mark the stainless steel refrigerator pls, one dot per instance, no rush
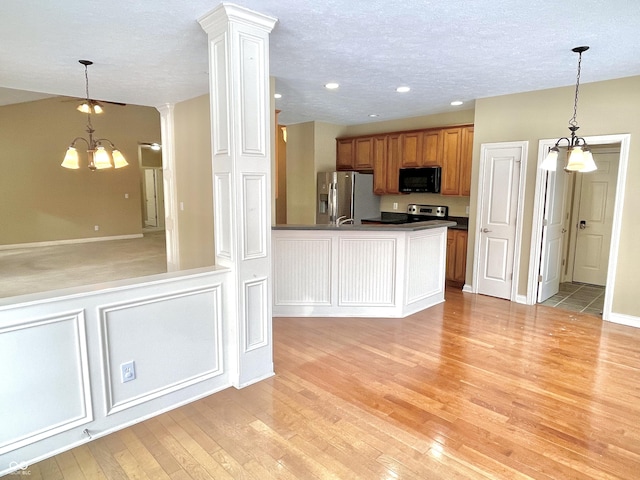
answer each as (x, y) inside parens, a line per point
(345, 194)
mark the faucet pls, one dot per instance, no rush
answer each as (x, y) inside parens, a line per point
(342, 220)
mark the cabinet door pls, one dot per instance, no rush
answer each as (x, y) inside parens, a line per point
(393, 163)
(431, 140)
(466, 157)
(344, 154)
(411, 149)
(451, 145)
(363, 153)
(460, 268)
(451, 255)
(380, 165)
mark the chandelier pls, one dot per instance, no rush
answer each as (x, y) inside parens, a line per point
(579, 156)
(98, 157)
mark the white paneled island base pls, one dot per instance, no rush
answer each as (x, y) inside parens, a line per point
(359, 271)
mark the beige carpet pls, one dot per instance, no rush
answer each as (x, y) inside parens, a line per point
(31, 270)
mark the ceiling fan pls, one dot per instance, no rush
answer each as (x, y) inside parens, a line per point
(90, 105)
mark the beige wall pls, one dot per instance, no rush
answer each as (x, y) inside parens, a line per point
(41, 201)
(605, 108)
(194, 190)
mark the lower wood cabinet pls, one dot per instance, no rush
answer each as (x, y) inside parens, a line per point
(456, 257)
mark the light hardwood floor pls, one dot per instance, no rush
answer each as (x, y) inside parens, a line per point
(474, 388)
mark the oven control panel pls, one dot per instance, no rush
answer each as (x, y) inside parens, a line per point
(427, 210)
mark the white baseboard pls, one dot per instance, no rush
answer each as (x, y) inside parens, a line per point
(521, 299)
(70, 241)
(467, 288)
(623, 319)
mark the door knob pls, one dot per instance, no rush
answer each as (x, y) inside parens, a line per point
(485, 230)
(582, 225)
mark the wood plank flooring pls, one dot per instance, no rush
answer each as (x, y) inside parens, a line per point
(476, 388)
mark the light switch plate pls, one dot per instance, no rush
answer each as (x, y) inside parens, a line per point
(128, 371)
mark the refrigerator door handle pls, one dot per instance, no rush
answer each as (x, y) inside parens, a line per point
(333, 203)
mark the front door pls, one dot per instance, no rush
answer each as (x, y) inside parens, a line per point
(499, 184)
(596, 192)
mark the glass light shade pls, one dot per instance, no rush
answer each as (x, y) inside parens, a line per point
(84, 107)
(589, 164)
(97, 108)
(101, 158)
(71, 159)
(551, 161)
(576, 160)
(118, 159)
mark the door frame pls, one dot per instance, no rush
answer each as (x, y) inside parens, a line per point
(538, 210)
(524, 145)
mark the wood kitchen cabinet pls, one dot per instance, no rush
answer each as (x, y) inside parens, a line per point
(431, 140)
(345, 158)
(456, 267)
(465, 161)
(363, 153)
(380, 165)
(394, 155)
(411, 149)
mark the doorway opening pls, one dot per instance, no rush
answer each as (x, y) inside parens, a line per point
(576, 229)
(152, 192)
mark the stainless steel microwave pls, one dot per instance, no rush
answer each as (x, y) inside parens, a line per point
(424, 180)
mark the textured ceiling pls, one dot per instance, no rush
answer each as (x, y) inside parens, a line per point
(153, 52)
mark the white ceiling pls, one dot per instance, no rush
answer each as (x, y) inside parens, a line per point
(151, 52)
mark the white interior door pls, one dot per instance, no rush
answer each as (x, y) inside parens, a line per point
(596, 192)
(150, 198)
(499, 184)
(552, 235)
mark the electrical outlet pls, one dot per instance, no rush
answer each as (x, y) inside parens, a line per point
(395, 205)
(96, 227)
(126, 195)
(128, 371)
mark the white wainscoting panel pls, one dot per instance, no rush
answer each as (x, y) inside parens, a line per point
(220, 125)
(302, 271)
(256, 314)
(254, 215)
(423, 252)
(171, 359)
(222, 193)
(45, 379)
(367, 271)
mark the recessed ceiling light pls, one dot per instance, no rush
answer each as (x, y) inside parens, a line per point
(277, 95)
(373, 115)
(455, 103)
(402, 89)
(332, 85)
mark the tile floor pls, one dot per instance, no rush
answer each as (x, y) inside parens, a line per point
(578, 297)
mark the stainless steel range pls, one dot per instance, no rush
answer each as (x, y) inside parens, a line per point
(422, 213)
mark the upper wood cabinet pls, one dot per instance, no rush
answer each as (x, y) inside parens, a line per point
(465, 161)
(345, 158)
(380, 165)
(363, 148)
(394, 154)
(451, 152)
(411, 149)
(431, 140)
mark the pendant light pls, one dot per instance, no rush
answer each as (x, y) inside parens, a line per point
(98, 157)
(579, 157)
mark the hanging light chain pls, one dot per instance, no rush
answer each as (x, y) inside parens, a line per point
(573, 122)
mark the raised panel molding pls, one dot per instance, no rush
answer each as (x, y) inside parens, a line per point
(256, 311)
(159, 323)
(53, 396)
(222, 193)
(297, 285)
(254, 215)
(370, 282)
(251, 95)
(220, 128)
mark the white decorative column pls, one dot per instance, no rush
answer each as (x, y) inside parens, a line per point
(167, 137)
(241, 147)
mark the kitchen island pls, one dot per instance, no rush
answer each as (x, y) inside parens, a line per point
(358, 270)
